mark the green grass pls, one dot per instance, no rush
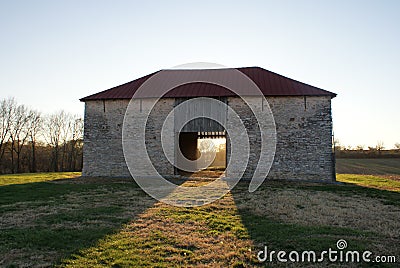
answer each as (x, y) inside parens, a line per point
(113, 223)
(372, 181)
(368, 166)
(39, 193)
(35, 177)
(284, 236)
(54, 218)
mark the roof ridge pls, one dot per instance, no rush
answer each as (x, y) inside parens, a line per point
(273, 84)
(294, 80)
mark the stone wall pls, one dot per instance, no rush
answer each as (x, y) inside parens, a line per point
(304, 144)
(303, 151)
(102, 151)
(304, 136)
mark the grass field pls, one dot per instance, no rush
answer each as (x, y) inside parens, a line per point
(36, 177)
(368, 166)
(75, 222)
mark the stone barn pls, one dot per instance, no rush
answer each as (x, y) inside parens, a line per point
(301, 113)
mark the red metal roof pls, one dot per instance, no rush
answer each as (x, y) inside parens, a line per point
(270, 84)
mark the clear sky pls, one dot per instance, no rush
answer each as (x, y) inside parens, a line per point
(54, 52)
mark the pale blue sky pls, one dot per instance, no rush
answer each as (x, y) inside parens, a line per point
(54, 52)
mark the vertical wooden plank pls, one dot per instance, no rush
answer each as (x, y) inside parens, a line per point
(199, 109)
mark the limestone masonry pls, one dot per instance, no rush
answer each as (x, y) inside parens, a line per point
(303, 127)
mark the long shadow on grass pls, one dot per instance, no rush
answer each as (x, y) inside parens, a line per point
(268, 230)
(349, 189)
(44, 222)
(167, 236)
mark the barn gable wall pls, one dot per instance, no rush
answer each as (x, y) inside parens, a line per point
(102, 149)
(304, 136)
(304, 127)
(304, 142)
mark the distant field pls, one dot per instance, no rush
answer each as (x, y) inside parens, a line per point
(102, 222)
(389, 166)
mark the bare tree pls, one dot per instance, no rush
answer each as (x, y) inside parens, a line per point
(360, 147)
(7, 106)
(206, 145)
(380, 146)
(337, 146)
(54, 126)
(21, 147)
(18, 134)
(76, 141)
(66, 133)
(348, 147)
(35, 126)
(397, 145)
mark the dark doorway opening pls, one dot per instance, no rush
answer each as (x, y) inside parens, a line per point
(212, 145)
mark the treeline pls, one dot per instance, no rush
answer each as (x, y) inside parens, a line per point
(359, 151)
(33, 142)
(368, 154)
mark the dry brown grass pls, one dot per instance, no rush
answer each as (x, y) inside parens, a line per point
(316, 208)
(324, 208)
